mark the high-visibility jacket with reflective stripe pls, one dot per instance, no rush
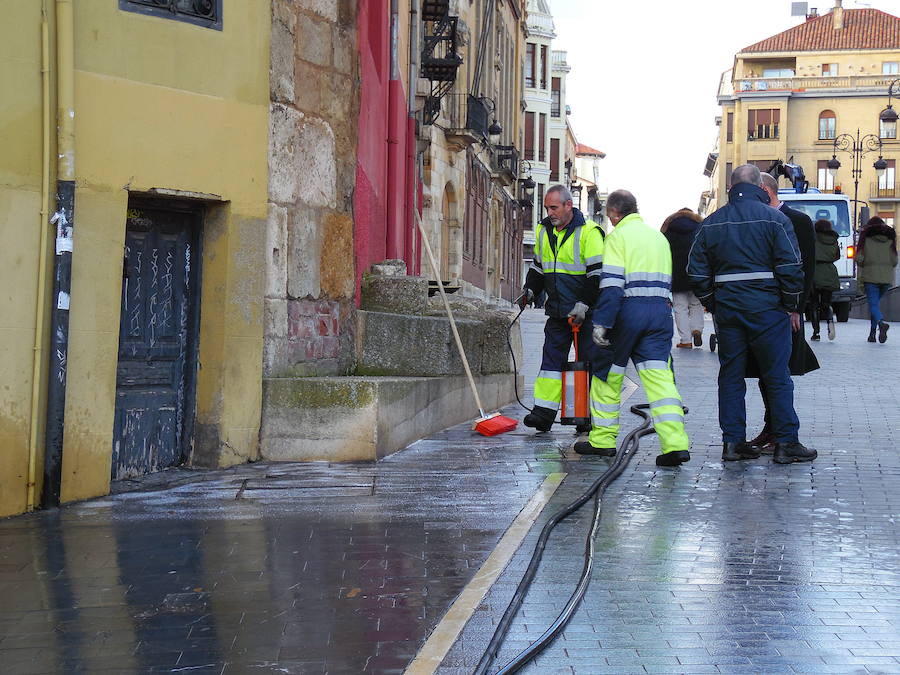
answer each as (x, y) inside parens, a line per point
(637, 263)
(745, 256)
(566, 264)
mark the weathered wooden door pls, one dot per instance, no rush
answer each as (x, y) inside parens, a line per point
(157, 340)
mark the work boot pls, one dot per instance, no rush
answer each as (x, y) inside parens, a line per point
(765, 443)
(787, 453)
(871, 337)
(583, 428)
(698, 338)
(585, 448)
(882, 331)
(733, 452)
(540, 418)
(673, 458)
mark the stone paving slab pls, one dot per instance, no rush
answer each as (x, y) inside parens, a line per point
(739, 567)
(346, 568)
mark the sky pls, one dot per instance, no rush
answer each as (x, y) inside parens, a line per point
(644, 79)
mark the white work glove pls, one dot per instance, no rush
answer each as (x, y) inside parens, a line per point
(599, 336)
(578, 312)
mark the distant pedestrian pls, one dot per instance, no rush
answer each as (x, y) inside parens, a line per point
(876, 258)
(680, 229)
(568, 257)
(634, 317)
(826, 279)
(745, 267)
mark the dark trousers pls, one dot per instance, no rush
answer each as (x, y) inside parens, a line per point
(768, 336)
(821, 307)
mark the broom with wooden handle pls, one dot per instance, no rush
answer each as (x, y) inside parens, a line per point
(486, 425)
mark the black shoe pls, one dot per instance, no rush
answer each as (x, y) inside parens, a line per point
(815, 337)
(583, 428)
(787, 453)
(882, 331)
(673, 458)
(733, 452)
(540, 418)
(585, 448)
(871, 337)
(698, 338)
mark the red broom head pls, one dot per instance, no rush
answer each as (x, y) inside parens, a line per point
(495, 425)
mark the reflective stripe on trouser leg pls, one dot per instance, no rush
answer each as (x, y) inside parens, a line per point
(548, 389)
(665, 407)
(605, 402)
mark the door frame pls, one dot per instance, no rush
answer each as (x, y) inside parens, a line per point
(196, 210)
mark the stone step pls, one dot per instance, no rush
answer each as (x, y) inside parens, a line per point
(343, 419)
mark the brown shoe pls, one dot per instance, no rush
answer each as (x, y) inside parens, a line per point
(698, 338)
(765, 443)
(685, 345)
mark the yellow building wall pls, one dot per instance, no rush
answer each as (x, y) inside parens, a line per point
(800, 114)
(20, 228)
(159, 104)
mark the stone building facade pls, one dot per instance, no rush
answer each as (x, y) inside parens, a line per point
(314, 111)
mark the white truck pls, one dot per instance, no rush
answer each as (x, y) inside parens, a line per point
(834, 208)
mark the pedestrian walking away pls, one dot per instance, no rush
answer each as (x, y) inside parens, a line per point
(876, 258)
(826, 278)
(802, 360)
(568, 258)
(746, 269)
(634, 316)
(680, 229)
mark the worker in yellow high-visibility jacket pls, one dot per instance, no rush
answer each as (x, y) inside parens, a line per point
(568, 257)
(634, 314)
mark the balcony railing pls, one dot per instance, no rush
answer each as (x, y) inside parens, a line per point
(889, 191)
(506, 162)
(467, 118)
(751, 84)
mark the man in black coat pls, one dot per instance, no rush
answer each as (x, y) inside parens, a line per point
(803, 359)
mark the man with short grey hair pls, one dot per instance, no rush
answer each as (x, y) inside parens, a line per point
(568, 257)
(634, 314)
(745, 268)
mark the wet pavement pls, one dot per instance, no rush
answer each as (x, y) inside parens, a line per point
(346, 568)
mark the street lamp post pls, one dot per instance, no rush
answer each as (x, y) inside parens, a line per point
(858, 148)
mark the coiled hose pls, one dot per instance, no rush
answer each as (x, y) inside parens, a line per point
(627, 449)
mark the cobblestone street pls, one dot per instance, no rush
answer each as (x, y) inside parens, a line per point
(749, 567)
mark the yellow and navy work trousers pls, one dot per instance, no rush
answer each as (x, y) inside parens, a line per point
(557, 343)
(643, 334)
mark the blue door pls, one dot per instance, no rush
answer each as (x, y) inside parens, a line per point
(157, 340)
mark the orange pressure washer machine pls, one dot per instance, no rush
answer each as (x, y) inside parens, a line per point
(575, 403)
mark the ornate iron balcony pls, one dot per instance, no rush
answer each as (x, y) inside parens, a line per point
(206, 13)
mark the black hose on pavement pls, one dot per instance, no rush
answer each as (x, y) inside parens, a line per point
(627, 449)
(512, 353)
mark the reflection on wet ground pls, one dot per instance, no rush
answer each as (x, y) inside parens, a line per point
(313, 568)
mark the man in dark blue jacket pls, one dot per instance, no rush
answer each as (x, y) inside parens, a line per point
(745, 268)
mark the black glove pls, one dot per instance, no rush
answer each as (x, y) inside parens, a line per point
(526, 298)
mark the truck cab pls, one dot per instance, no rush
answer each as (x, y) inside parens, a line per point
(835, 208)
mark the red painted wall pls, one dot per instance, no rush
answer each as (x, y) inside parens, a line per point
(382, 202)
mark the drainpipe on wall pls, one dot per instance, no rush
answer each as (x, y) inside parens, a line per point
(396, 173)
(37, 360)
(64, 219)
(412, 184)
